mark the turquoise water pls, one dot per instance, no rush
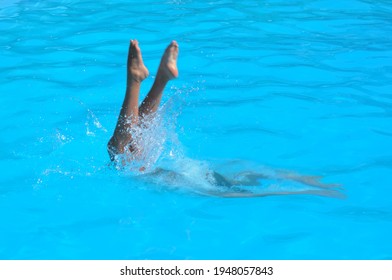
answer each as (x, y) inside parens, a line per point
(264, 86)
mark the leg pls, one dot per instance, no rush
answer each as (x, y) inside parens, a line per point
(136, 73)
(167, 71)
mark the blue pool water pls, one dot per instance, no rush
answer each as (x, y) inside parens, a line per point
(264, 86)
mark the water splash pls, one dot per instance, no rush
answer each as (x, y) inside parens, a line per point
(92, 124)
(155, 138)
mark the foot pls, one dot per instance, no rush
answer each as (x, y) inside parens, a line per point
(137, 72)
(168, 67)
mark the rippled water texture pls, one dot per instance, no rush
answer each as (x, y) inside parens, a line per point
(264, 86)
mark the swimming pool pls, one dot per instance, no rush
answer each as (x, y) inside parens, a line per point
(293, 85)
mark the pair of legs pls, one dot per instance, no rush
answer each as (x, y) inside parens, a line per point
(131, 113)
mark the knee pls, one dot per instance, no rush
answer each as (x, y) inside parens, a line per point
(111, 148)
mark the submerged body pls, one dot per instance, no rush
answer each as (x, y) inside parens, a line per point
(246, 184)
(125, 147)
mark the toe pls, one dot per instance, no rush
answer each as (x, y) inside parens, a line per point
(174, 44)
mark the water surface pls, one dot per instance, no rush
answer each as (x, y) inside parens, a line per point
(298, 85)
